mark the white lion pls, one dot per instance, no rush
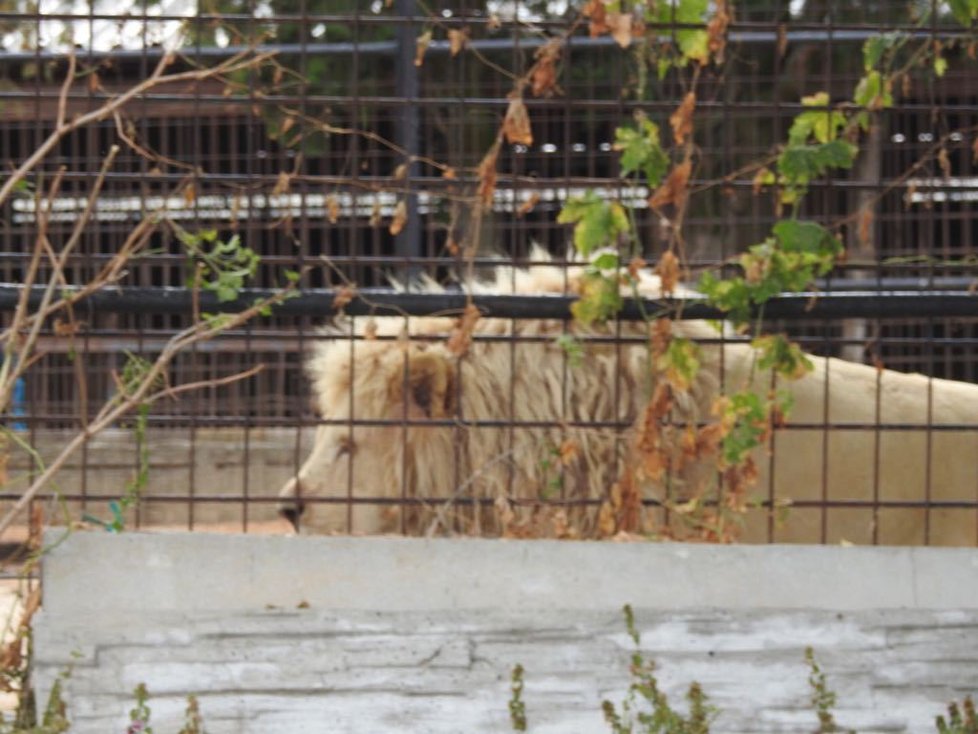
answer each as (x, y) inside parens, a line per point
(514, 421)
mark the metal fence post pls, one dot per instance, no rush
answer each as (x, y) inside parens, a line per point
(408, 241)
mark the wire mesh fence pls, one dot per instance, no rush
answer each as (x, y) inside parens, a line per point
(363, 150)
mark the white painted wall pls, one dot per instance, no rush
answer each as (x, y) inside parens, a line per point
(284, 635)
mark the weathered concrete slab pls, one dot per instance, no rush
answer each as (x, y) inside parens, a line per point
(286, 635)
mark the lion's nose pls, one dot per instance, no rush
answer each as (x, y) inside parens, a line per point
(292, 511)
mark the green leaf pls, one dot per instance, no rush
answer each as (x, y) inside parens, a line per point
(796, 235)
(600, 299)
(823, 125)
(940, 66)
(597, 222)
(783, 356)
(876, 46)
(680, 363)
(641, 150)
(605, 261)
(873, 92)
(964, 11)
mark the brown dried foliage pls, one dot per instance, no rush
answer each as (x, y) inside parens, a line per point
(668, 271)
(487, 174)
(681, 120)
(516, 124)
(543, 75)
(674, 189)
(461, 336)
(716, 30)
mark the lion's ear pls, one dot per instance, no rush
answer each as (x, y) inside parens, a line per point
(430, 379)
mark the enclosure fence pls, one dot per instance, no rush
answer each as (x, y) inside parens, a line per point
(374, 154)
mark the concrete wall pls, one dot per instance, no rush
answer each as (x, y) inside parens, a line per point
(285, 635)
(222, 463)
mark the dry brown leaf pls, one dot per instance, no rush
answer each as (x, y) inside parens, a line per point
(635, 267)
(332, 208)
(452, 246)
(569, 451)
(494, 23)
(400, 172)
(283, 182)
(516, 124)
(865, 226)
(716, 31)
(681, 120)
(487, 174)
(370, 330)
(375, 214)
(449, 173)
(668, 271)
(287, 124)
(343, 296)
(607, 526)
(461, 337)
(782, 46)
(458, 40)
(620, 27)
(66, 328)
(421, 47)
(527, 206)
(597, 14)
(399, 219)
(944, 162)
(543, 75)
(661, 335)
(190, 194)
(673, 189)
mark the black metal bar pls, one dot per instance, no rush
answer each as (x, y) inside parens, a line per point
(384, 302)
(408, 240)
(855, 35)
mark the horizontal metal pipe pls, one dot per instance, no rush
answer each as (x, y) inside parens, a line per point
(487, 45)
(321, 303)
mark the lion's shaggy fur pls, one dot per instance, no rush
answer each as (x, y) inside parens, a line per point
(514, 371)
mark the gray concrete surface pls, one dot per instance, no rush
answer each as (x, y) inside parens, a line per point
(284, 635)
(213, 462)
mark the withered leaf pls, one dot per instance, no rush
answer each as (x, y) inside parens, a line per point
(487, 174)
(283, 183)
(681, 120)
(543, 75)
(596, 13)
(620, 26)
(716, 31)
(516, 124)
(461, 337)
(400, 172)
(944, 162)
(569, 450)
(399, 219)
(527, 206)
(375, 214)
(673, 189)
(190, 194)
(332, 208)
(865, 228)
(421, 47)
(457, 40)
(668, 271)
(370, 330)
(635, 267)
(343, 296)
